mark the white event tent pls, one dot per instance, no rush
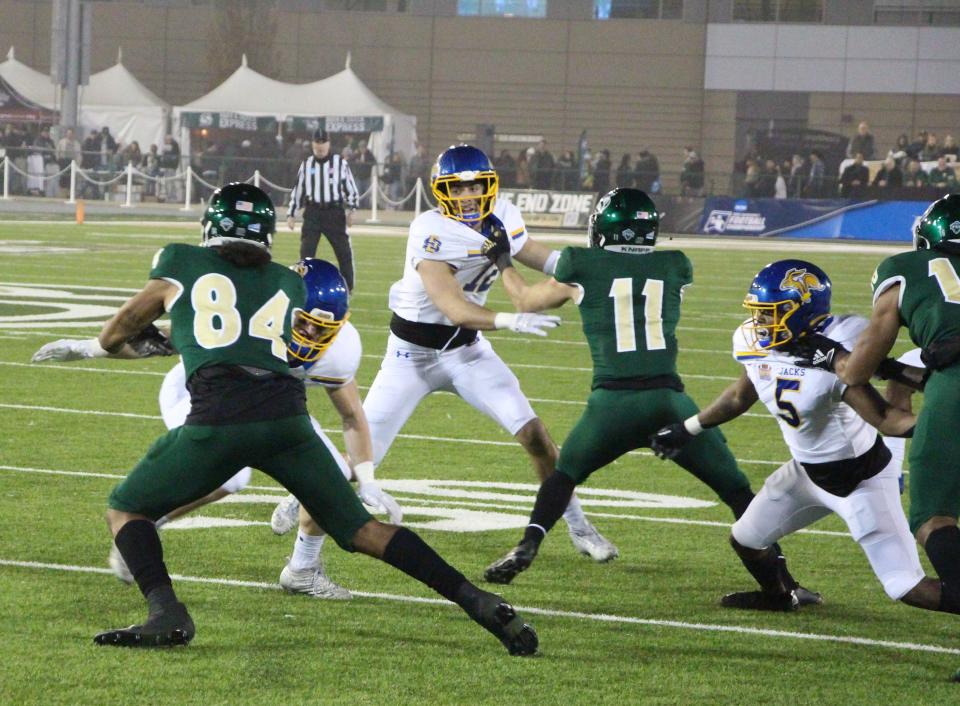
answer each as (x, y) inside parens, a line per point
(248, 100)
(33, 85)
(114, 97)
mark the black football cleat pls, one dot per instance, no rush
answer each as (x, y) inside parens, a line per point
(761, 600)
(169, 627)
(518, 559)
(499, 618)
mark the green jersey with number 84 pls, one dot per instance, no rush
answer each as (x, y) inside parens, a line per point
(213, 325)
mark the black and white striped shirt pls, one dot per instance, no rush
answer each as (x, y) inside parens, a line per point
(326, 183)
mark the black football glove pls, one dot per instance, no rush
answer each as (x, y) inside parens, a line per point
(669, 441)
(890, 369)
(816, 351)
(150, 342)
(496, 247)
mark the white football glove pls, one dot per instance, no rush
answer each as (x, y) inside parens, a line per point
(537, 324)
(66, 349)
(373, 495)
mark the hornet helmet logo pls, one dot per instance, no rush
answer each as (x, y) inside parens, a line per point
(802, 281)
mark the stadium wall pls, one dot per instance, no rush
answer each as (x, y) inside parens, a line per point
(631, 83)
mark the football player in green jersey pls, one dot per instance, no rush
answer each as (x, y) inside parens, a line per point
(920, 290)
(232, 310)
(629, 298)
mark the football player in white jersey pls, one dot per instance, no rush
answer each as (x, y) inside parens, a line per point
(439, 310)
(325, 351)
(840, 464)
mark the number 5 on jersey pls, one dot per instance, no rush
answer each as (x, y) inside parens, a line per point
(621, 291)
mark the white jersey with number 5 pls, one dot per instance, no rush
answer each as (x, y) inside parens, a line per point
(807, 402)
(436, 237)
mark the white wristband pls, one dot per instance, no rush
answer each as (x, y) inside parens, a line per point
(503, 320)
(693, 425)
(363, 472)
(91, 348)
(550, 265)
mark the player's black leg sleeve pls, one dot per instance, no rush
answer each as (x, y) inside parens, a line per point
(943, 549)
(414, 557)
(738, 501)
(768, 566)
(140, 547)
(552, 499)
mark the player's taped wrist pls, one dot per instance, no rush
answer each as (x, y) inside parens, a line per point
(91, 348)
(693, 425)
(363, 472)
(550, 265)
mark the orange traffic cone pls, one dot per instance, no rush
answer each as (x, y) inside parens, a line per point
(80, 208)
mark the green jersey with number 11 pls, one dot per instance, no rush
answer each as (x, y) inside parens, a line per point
(929, 292)
(214, 324)
(630, 307)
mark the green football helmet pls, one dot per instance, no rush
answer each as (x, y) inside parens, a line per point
(625, 220)
(939, 226)
(239, 212)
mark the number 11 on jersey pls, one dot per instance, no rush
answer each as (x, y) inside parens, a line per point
(621, 291)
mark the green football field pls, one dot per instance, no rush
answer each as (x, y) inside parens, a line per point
(646, 628)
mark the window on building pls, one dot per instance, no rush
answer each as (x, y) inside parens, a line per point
(638, 9)
(917, 13)
(503, 8)
(778, 10)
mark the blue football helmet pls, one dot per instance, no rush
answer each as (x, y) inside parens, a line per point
(325, 311)
(786, 300)
(458, 164)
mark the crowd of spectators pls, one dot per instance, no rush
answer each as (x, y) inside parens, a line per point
(899, 175)
(235, 156)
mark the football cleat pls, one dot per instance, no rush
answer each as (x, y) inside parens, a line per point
(286, 515)
(118, 565)
(516, 560)
(312, 582)
(587, 540)
(167, 627)
(761, 600)
(499, 618)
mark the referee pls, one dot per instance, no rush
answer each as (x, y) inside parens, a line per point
(324, 187)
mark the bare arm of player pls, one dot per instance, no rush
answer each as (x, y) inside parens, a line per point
(533, 254)
(356, 430)
(877, 412)
(730, 404)
(445, 292)
(145, 307)
(875, 342)
(899, 395)
(546, 294)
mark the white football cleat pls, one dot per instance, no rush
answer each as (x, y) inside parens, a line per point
(587, 540)
(286, 515)
(118, 565)
(312, 582)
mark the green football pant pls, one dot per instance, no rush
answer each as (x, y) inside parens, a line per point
(191, 461)
(935, 452)
(618, 421)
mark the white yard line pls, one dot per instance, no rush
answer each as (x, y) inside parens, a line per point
(546, 612)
